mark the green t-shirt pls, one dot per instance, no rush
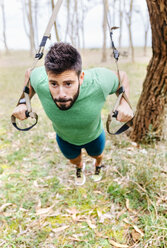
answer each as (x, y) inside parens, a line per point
(82, 122)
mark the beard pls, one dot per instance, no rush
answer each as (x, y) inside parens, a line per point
(63, 102)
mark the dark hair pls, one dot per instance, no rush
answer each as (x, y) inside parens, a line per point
(61, 57)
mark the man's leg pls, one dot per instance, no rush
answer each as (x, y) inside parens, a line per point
(98, 159)
(73, 154)
(77, 161)
(95, 150)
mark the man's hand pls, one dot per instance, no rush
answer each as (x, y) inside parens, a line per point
(125, 112)
(19, 112)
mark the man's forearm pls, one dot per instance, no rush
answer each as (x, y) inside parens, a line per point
(27, 79)
(125, 84)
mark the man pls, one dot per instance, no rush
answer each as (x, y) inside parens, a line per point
(73, 100)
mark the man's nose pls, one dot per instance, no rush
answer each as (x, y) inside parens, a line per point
(61, 93)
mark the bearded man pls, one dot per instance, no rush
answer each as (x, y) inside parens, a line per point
(73, 100)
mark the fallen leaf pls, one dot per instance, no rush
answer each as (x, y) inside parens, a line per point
(100, 235)
(90, 223)
(42, 211)
(36, 184)
(2, 208)
(59, 229)
(75, 237)
(135, 236)
(134, 226)
(98, 192)
(73, 212)
(102, 217)
(112, 242)
(138, 230)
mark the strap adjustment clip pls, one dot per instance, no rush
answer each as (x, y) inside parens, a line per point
(120, 90)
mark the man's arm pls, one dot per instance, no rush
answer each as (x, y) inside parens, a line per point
(125, 112)
(19, 111)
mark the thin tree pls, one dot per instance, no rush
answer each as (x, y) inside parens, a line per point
(36, 12)
(146, 24)
(68, 19)
(121, 14)
(55, 24)
(4, 26)
(129, 24)
(27, 17)
(150, 113)
(105, 12)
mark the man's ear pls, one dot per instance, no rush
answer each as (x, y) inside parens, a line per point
(81, 77)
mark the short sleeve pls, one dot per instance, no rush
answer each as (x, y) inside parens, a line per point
(37, 75)
(108, 81)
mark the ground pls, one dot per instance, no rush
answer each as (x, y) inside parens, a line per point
(39, 204)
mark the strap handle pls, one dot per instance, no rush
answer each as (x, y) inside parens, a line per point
(122, 129)
(38, 56)
(121, 93)
(28, 114)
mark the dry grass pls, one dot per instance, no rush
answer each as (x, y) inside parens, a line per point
(39, 204)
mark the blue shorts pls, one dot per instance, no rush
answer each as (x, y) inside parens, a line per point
(93, 148)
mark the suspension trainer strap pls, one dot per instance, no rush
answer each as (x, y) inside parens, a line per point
(120, 92)
(25, 98)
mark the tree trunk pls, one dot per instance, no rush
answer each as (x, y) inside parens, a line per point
(146, 23)
(36, 12)
(150, 114)
(105, 11)
(145, 42)
(130, 31)
(31, 28)
(120, 20)
(77, 23)
(4, 27)
(84, 9)
(55, 25)
(146, 36)
(68, 20)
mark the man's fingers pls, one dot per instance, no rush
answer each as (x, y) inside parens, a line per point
(125, 117)
(19, 112)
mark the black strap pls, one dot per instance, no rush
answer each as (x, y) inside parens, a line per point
(122, 129)
(32, 115)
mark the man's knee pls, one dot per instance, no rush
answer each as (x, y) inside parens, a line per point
(77, 161)
(98, 157)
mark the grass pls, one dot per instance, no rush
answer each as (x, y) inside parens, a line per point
(39, 204)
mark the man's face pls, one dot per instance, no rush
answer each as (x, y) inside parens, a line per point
(64, 88)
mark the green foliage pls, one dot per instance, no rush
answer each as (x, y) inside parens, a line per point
(117, 193)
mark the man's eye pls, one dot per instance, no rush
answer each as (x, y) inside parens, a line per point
(54, 84)
(68, 84)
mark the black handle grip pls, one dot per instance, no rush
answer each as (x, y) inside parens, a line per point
(115, 114)
(27, 113)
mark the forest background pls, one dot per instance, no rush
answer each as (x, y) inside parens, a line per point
(39, 204)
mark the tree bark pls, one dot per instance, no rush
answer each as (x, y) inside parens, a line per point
(150, 114)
